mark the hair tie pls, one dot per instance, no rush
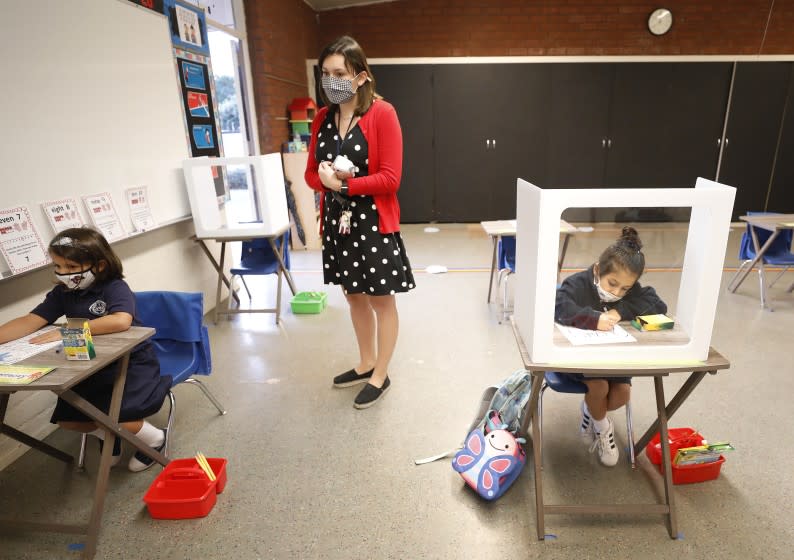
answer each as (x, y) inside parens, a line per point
(62, 241)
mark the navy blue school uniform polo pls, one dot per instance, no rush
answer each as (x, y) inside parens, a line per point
(144, 390)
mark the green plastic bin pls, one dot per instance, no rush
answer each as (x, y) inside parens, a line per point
(308, 302)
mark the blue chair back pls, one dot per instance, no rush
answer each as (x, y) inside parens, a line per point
(779, 253)
(258, 258)
(506, 252)
(181, 341)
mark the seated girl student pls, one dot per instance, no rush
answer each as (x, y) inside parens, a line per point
(596, 299)
(90, 285)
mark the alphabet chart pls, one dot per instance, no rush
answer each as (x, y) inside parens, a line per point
(20, 243)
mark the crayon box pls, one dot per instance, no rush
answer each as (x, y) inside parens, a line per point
(77, 341)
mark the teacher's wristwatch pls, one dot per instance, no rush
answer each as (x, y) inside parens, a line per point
(344, 188)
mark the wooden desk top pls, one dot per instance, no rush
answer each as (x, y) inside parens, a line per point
(770, 222)
(508, 227)
(109, 348)
(715, 360)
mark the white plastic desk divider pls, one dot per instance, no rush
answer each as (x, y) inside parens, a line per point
(537, 240)
(271, 198)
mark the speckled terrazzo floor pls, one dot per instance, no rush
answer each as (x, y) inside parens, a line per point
(311, 477)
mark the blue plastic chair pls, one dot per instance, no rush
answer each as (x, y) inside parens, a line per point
(563, 383)
(506, 263)
(258, 259)
(181, 342)
(778, 254)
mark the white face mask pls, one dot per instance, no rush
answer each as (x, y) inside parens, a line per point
(76, 280)
(605, 296)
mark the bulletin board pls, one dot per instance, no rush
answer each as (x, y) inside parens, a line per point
(91, 106)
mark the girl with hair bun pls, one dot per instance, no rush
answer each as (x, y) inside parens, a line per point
(596, 299)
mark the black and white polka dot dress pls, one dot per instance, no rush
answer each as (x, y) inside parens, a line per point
(365, 260)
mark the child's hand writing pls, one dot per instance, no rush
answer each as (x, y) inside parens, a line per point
(49, 336)
(606, 321)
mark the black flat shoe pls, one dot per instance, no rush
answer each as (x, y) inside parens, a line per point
(370, 394)
(350, 377)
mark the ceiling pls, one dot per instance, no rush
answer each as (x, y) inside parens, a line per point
(325, 5)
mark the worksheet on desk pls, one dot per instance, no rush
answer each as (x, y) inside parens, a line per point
(21, 348)
(580, 337)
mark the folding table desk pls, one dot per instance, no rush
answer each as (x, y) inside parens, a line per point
(775, 223)
(658, 371)
(109, 348)
(222, 279)
(507, 228)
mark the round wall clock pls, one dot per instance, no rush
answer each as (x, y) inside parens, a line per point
(660, 21)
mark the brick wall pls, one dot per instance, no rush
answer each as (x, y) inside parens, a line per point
(283, 33)
(410, 28)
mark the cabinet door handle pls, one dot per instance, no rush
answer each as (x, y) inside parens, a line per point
(609, 143)
(487, 144)
(726, 141)
(603, 142)
(493, 142)
(718, 141)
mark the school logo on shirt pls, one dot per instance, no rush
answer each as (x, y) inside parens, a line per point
(98, 308)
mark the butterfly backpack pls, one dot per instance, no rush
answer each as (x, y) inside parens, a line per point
(492, 456)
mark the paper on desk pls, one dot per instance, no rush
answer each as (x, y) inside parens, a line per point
(580, 337)
(19, 349)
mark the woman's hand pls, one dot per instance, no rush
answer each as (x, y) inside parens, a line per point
(49, 336)
(344, 175)
(606, 321)
(328, 176)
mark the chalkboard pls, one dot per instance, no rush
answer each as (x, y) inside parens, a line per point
(90, 104)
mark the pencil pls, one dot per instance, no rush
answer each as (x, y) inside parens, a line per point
(202, 461)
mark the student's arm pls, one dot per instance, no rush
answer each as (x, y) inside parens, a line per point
(567, 310)
(21, 326)
(640, 300)
(112, 323)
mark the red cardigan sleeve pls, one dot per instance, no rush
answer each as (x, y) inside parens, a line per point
(311, 175)
(389, 144)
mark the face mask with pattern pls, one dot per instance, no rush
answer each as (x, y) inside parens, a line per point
(338, 90)
(76, 280)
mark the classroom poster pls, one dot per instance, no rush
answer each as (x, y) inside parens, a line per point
(188, 26)
(195, 79)
(20, 244)
(156, 5)
(104, 217)
(62, 214)
(140, 212)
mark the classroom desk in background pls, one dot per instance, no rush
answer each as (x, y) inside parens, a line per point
(658, 370)
(222, 279)
(497, 229)
(68, 373)
(776, 223)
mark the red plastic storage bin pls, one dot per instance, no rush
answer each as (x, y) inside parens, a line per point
(685, 474)
(183, 491)
(678, 438)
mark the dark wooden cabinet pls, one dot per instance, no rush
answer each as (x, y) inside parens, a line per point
(781, 195)
(410, 89)
(756, 111)
(491, 127)
(470, 130)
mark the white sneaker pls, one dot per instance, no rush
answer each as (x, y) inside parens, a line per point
(605, 443)
(586, 431)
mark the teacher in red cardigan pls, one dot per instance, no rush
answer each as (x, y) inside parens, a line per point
(355, 161)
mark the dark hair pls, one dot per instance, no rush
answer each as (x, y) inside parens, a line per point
(356, 62)
(625, 253)
(88, 246)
